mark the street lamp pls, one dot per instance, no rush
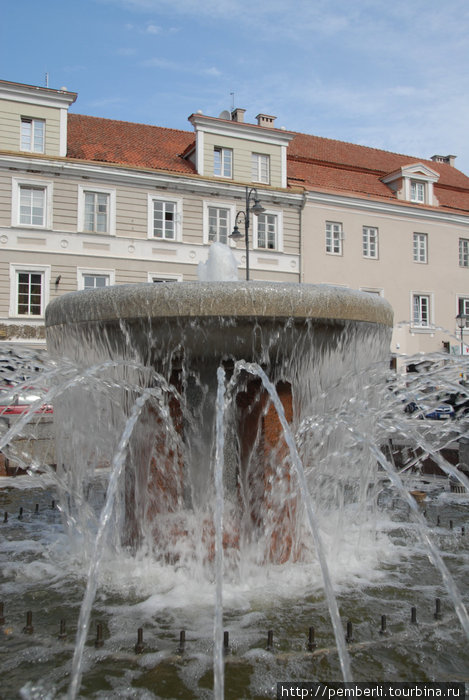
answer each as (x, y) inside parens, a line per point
(461, 320)
(256, 209)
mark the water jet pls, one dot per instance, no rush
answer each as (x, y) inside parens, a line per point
(134, 380)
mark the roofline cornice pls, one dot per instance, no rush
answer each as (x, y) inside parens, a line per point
(243, 130)
(44, 97)
(386, 208)
(184, 182)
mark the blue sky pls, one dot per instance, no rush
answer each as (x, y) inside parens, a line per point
(390, 74)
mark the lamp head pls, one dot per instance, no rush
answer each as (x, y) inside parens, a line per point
(236, 235)
(257, 208)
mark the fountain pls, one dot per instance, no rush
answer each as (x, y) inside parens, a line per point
(232, 462)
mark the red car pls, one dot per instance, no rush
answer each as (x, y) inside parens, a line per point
(15, 401)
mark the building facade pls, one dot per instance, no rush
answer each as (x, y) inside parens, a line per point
(87, 202)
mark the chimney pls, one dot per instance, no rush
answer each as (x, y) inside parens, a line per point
(449, 160)
(237, 115)
(265, 120)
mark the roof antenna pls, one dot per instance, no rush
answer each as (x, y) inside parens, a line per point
(47, 80)
(232, 101)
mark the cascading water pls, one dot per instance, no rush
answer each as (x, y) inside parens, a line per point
(177, 510)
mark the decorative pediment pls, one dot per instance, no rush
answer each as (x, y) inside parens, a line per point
(417, 171)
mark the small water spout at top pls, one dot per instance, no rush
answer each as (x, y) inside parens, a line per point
(221, 265)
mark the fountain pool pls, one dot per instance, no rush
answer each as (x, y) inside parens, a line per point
(125, 532)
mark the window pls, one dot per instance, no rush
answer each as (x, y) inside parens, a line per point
(95, 281)
(163, 278)
(372, 290)
(218, 224)
(417, 191)
(260, 166)
(334, 237)
(91, 278)
(463, 308)
(32, 205)
(218, 221)
(29, 290)
(96, 212)
(420, 245)
(222, 162)
(164, 219)
(421, 310)
(268, 231)
(370, 242)
(464, 252)
(32, 135)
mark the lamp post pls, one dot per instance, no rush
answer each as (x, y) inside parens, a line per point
(256, 209)
(461, 320)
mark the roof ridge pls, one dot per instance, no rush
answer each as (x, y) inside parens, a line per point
(124, 121)
(368, 148)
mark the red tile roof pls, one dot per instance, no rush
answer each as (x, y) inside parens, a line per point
(325, 164)
(126, 143)
(313, 162)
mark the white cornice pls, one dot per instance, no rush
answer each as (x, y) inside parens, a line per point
(112, 175)
(240, 130)
(44, 97)
(386, 208)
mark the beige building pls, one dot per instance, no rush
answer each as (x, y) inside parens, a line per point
(86, 202)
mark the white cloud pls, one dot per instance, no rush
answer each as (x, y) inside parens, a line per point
(152, 29)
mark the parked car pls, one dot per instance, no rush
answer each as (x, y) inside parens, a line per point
(15, 401)
(419, 409)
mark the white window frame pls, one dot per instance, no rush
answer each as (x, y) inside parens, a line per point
(177, 220)
(95, 272)
(164, 277)
(368, 232)
(420, 248)
(223, 151)
(231, 219)
(33, 123)
(82, 190)
(258, 172)
(15, 269)
(334, 238)
(278, 233)
(464, 252)
(417, 324)
(462, 307)
(17, 184)
(418, 191)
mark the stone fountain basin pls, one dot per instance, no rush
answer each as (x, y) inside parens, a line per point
(219, 317)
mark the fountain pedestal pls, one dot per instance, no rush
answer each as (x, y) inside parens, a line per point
(171, 339)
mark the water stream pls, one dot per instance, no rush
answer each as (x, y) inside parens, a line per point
(363, 545)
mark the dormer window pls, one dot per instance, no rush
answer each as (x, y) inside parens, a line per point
(413, 183)
(260, 167)
(222, 162)
(32, 135)
(417, 191)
